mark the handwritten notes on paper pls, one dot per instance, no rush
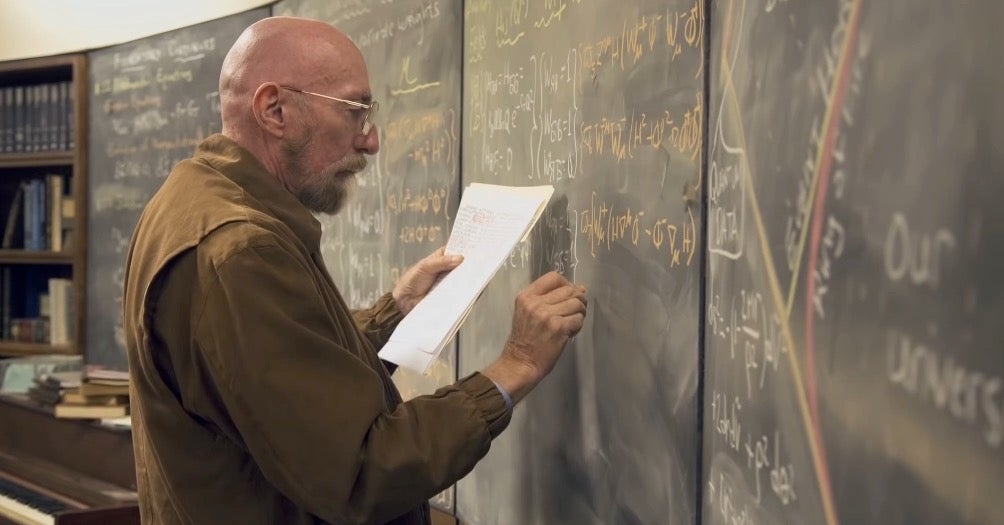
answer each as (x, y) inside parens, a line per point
(490, 222)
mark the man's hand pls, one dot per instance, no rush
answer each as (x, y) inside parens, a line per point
(549, 312)
(416, 282)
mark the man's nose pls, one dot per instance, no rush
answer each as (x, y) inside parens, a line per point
(370, 142)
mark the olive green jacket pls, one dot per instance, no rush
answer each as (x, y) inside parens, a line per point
(257, 395)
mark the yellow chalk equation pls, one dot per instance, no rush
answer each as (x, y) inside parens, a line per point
(553, 9)
(676, 30)
(604, 226)
(422, 233)
(408, 83)
(427, 138)
(621, 138)
(432, 201)
(508, 21)
(409, 126)
(437, 151)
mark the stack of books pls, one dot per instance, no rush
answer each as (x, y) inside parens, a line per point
(74, 397)
(48, 387)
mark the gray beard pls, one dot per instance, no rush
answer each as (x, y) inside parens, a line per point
(327, 192)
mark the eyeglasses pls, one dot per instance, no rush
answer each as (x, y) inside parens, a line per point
(370, 109)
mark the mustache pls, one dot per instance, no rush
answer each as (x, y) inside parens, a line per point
(353, 163)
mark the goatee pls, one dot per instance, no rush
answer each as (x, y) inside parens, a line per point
(328, 190)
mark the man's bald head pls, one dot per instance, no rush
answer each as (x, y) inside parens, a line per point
(289, 51)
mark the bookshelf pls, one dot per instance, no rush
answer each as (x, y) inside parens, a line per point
(43, 205)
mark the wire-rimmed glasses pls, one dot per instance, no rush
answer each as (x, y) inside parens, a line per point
(370, 109)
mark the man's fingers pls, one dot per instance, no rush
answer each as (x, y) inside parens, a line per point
(438, 263)
(546, 283)
(559, 294)
(573, 323)
(572, 305)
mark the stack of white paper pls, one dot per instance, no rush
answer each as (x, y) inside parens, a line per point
(491, 221)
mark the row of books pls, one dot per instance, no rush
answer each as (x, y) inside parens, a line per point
(51, 322)
(36, 117)
(71, 396)
(41, 216)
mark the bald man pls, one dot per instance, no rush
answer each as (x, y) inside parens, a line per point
(257, 395)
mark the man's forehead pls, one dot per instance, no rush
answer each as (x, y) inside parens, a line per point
(348, 79)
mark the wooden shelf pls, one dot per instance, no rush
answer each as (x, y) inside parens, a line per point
(15, 348)
(28, 268)
(36, 159)
(35, 257)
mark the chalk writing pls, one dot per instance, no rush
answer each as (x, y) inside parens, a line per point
(831, 249)
(725, 418)
(931, 377)
(642, 35)
(135, 102)
(833, 233)
(917, 256)
(414, 20)
(421, 234)
(135, 57)
(431, 201)
(509, 21)
(408, 83)
(726, 197)
(827, 71)
(363, 218)
(189, 50)
(553, 127)
(825, 76)
(551, 245)
(782, 475)
(766, 462)
(603, 225)
(732, 506)
(753, 334)
(620, 138)
(477, 43)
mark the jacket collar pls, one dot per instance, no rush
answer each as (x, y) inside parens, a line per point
(244, 169)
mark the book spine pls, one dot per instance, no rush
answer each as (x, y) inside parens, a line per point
(70, 131)
(64, 109)
(8, 120)
(29, 118)
(28, 215)
(54, 116)
(19, 113)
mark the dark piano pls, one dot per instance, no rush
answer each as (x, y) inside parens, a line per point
(62, 471)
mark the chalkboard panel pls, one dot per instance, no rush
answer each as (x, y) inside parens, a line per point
(152, 101)
(605, 102)
(403, 206)
(853, 359)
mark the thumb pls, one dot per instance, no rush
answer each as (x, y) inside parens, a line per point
(438, 263)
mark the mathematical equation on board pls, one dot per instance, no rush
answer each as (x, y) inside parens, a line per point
(424, 143)
(539, 101)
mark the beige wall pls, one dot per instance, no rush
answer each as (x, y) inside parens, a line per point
(32, 28)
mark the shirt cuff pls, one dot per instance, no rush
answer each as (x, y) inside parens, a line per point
(505, 395)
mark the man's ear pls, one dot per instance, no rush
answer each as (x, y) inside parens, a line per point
(269, 109)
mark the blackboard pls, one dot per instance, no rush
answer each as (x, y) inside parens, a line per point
(151, 102)
(605, 102)
(403, 205)
(853, 346)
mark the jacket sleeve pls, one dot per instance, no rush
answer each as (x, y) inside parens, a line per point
(312, 414)
(379, 320)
